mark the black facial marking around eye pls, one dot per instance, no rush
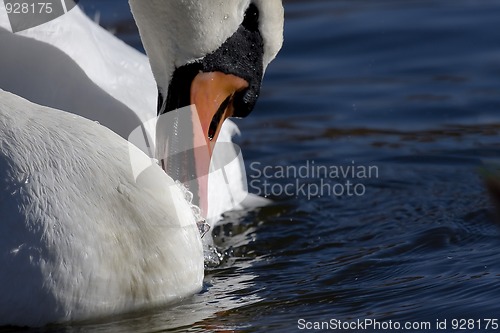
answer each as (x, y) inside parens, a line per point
(240, 55)
(251, 20)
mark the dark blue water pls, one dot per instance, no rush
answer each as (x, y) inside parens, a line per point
(410, 89)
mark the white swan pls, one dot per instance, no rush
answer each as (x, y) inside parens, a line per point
(73, 64)
(80, 237)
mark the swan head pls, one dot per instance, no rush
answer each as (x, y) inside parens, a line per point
(211, 54)
(178, 33)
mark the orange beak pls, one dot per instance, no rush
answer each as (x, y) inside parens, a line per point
(212, 94)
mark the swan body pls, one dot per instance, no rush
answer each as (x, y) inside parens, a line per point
(81, 234)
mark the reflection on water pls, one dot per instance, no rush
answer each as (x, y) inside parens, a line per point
(411, 87)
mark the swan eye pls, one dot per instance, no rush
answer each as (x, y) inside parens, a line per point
(251, 21)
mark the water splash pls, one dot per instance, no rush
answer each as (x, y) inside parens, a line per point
(201, 222)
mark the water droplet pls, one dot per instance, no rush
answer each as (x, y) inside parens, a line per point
(188, 196)
(196, 211)
(17, 249)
